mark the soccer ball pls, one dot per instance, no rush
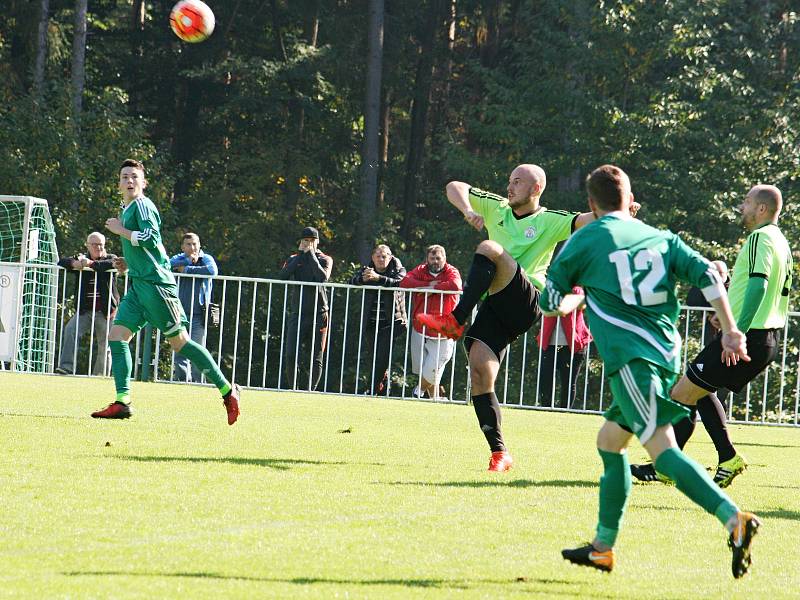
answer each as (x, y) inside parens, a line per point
(192, 20)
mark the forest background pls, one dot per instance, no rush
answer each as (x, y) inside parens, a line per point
(352, 115)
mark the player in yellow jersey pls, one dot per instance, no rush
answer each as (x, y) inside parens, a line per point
(511, 267)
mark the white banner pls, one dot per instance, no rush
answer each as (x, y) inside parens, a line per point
(9, 296)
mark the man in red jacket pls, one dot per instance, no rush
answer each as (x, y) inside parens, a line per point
(430, 352)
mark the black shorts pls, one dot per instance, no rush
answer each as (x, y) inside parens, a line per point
(710, 373)
(506, 315)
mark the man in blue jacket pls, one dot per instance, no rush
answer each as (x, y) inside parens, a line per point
(195, 295)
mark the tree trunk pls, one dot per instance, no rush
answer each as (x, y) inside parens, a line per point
(419, 115)
(370, 161)
(41, 49)
(79, 58)
(138, 15)
(386, 113)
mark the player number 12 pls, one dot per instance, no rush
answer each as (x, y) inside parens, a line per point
(645, 260)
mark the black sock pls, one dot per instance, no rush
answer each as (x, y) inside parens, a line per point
(487, 408)
(480, 276)
(685, 427)
(713, 415)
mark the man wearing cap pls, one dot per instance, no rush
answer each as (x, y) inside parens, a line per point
(306, 333)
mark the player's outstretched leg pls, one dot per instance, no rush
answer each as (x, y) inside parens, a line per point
(479, 280)
(695, 483)
(121, 367)
(201, 359)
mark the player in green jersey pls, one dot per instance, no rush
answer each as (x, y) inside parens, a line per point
(152, 297)
(628, 271)
(759, 296)
(510, 266)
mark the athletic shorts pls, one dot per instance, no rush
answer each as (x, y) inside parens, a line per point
(641, 399)
(157, 304)
(710, 373)
(506, 315)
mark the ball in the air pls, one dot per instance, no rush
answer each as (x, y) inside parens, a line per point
(192, 20)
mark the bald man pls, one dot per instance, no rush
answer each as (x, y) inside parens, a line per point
(97, 299)
(759, 297)
(511, 267)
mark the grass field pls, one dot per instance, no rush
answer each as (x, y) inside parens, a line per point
(313, 496)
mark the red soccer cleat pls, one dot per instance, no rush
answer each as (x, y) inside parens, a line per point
(500, 462)
(445, 325)
(231, 403)
(115, 410)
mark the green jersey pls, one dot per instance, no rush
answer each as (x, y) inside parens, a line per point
(529, 240)
(628, 271)
(145, 254)
(766, 254)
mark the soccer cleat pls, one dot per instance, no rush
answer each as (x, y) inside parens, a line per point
(647, 473)
(231, 403)
(740, 540)
(726, 471)
(500, 462)
(445, 325)
(587, 556)
(115, 410)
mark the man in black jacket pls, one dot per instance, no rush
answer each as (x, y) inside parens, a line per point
(384, 316)
(307, 307)
(97, 299)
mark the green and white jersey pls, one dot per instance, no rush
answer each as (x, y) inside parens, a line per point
(628, 271)
(530, 240)
(766, 254)
(147, 259)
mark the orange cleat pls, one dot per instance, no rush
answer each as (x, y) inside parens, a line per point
(231, 403)
(445, 325)
(740, 540)
(500, 462)
(115, 410)
(587, 556)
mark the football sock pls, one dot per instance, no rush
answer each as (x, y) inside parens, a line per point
(694, 482)
(121, 367)
(685, 427)
(201, 359)
(615, 485)
(480, 276)
(487, 408)
(713, 415)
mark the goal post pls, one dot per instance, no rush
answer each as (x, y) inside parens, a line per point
(28, 284)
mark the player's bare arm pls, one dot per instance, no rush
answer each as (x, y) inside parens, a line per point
(734, 342)
(458, 196)
(114, 225)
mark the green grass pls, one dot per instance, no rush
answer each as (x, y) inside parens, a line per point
(312, 496)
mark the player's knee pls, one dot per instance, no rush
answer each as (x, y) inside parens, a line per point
(490, 249)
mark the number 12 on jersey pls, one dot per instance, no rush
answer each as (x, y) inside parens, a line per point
(645, 260)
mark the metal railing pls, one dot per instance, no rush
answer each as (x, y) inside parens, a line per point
(257, 317)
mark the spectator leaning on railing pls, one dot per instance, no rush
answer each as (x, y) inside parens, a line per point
(384, 315)
(195, 295)
(97, 299)
(431, 352)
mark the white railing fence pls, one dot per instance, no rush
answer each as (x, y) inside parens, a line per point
(273, 334)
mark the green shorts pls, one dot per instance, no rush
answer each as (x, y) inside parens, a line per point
(641, 399)
(157, 304)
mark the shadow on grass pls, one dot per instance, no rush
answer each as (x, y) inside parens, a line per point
(455, 584)
(779, 513)
(272, 463)
(758, 445)
(33, 416)
(514, 483)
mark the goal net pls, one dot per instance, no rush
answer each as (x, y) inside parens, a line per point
(28, 284)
